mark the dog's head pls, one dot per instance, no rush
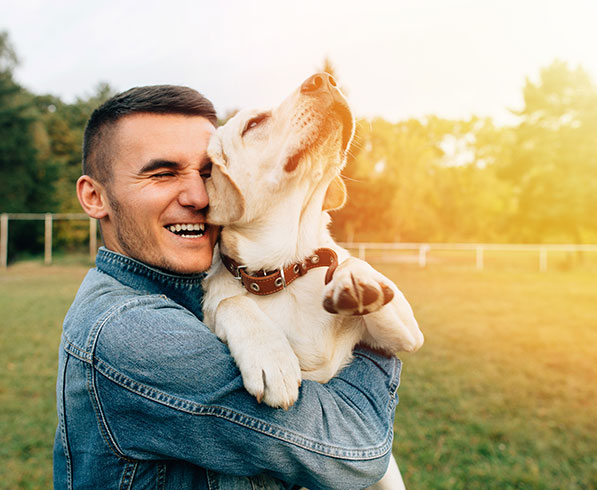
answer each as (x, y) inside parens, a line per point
(260, 155)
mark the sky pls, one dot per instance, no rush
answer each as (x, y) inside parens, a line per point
(395, 59)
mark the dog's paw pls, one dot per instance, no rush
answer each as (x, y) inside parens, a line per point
(271, 372)
(356, 289)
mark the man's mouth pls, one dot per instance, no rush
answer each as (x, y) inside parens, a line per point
(187, 230)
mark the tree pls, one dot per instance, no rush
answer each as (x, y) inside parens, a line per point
(61, 126)
(389, 180)
(554, 157)
(25, 184)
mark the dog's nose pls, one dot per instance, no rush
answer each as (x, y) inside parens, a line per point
(320, 82)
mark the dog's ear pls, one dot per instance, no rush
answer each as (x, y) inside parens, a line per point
(335, 196)
(226, 202)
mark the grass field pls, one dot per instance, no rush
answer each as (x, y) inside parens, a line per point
(502, 395)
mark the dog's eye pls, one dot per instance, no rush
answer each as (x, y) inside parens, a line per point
(205, 171)
(254, 122)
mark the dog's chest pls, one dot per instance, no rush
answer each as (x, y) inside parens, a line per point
(322, 342)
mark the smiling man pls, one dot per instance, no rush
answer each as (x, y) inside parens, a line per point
(144, 181)
(147, 396)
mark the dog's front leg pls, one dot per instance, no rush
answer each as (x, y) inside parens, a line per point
(269, 366)
(358, 289)
(393, 328)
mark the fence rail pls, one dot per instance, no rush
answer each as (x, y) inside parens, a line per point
(422, 250)
(48, 219)
(362, 248)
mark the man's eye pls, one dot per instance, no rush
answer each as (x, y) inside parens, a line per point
(254, 122)
(163, 175)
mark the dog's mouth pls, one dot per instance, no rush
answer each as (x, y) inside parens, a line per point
(343, 111)
(187, 230)
(338, 111)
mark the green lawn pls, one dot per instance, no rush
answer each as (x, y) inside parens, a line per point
(502, 395)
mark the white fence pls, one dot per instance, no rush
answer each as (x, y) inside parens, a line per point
(421, 250)
(48, 219)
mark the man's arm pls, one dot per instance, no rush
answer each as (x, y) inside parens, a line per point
(166, 387)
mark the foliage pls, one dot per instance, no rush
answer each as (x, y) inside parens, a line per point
(40, 154)
(25, 182)
(417, 180)
(554, 160)
(406, 183)
(440, 180)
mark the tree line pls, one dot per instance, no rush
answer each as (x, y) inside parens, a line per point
(428, 179)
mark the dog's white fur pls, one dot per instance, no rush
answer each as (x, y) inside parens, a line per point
(275, 214)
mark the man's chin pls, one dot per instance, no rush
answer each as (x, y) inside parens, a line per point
(187, 268)
(184, 263)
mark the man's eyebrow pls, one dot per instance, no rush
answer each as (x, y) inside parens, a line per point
(159, 164)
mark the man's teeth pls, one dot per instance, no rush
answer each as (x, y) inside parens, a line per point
(196, 227)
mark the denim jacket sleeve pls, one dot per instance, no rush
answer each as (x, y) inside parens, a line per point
(163, 386)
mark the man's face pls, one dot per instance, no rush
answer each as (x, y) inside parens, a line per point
(157, 191)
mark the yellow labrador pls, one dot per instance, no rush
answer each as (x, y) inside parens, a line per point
(275, 175)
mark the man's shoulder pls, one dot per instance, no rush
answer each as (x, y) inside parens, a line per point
(131, 334)
(105, 306)
(98, 294)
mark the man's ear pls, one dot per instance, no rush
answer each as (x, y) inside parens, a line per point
(91, 195)
(226, 202)
(335, 196)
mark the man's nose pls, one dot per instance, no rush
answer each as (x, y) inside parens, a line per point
(318, 83)
(193, 193)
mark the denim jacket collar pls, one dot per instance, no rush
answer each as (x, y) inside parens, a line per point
(184, 290)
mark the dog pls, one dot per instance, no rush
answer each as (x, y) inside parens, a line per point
(291, 303)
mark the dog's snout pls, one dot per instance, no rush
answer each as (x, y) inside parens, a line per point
(320, 82)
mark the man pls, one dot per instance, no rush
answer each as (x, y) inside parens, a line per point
(147, 396)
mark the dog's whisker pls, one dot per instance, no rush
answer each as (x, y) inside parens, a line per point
(350, 154)
(345, 177)
(356, 143)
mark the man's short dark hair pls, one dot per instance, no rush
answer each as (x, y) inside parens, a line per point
(156, 99)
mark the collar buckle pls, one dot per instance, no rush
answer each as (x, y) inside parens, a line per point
(237, 273)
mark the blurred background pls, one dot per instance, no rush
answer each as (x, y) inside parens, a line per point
(472, 183)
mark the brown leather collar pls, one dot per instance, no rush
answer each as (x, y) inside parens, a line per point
(274, 281)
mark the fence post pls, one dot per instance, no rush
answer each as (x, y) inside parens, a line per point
(542, 259)
(362, 251)
(48, 239)
(92, 238)
(4, 240)
(479, 258)
(423, 255)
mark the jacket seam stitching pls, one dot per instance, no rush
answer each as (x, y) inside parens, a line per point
(247, 421)
(75, 351)
(126, 482)
(105, 431)
(63, 430)
(102, 423)
(161, 483)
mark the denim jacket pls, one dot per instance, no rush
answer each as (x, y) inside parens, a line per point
(149, 397)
